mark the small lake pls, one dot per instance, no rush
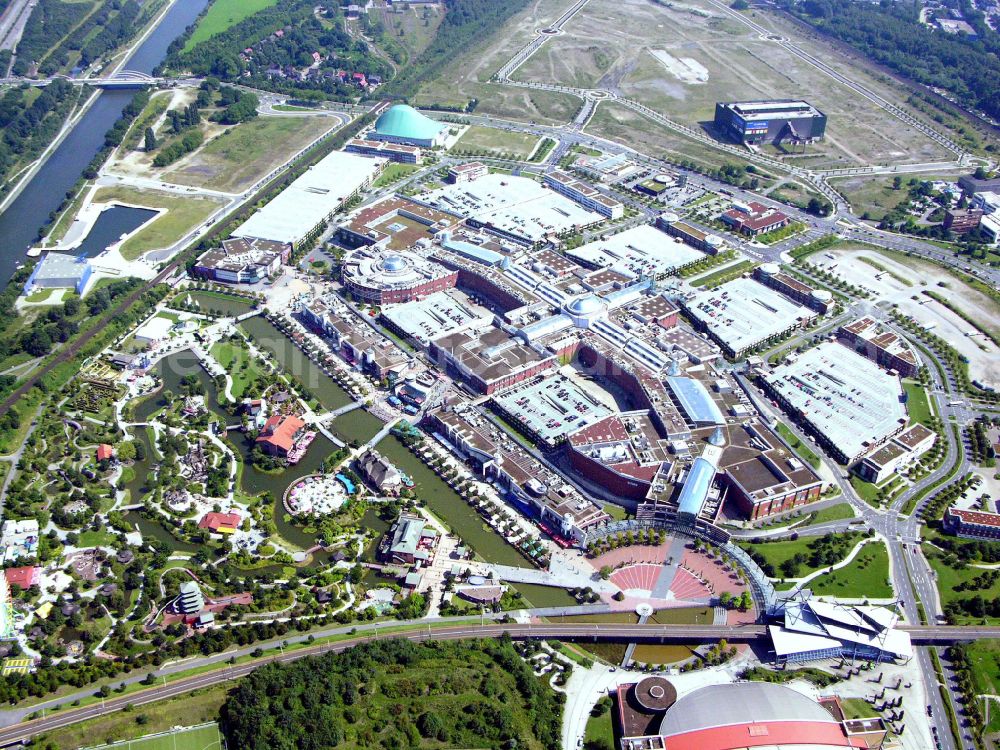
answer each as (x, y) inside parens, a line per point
(330, 395)
(112, 223)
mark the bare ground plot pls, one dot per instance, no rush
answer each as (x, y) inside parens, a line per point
(418, 24)
(183, 213)
(873, 194)
(984, 356)
(243, 154)
(618, 123)
(608, 45)
(467, 77)
(478, 138)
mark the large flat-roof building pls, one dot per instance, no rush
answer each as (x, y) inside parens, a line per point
(313, 198)
(584, 194)
(851, 404)
(242, 261)
(489, 360)
(517, 208)
(640, 252)
(972, 524)
(898, 453)
(770, 121)
(743, 314)
(60, 271)
(430, 318)
(549, 409)
(872, 339)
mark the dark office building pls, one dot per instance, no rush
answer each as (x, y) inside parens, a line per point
(778, 121)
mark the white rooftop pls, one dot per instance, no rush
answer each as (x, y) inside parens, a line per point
(310, 198)
(435, 316)
(638, 252)
(155, 329)
(744, 312)
(517, 205)
(843, 395)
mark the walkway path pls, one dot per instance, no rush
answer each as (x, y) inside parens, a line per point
(669, 571)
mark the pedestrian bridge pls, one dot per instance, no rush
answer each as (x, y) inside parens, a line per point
(123, 79)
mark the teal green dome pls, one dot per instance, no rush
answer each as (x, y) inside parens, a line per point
(403, 121)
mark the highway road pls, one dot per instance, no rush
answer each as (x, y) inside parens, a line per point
(419, 631)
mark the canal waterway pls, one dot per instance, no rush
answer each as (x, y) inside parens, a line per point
(330, 395)
(111, 225)
(29, 211)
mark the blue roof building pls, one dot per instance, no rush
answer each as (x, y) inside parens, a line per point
(694, 493)
(401, 123)
(60, 271)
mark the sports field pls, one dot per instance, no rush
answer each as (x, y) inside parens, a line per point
(203, 737)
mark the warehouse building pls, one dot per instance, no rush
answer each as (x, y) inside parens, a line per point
(60, 271)
(692, 235)
(401, 123)
(743, 314)
(770, 274)
(773, 121)
(313, 198)
(849, 403)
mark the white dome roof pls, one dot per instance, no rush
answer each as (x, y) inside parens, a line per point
(586, 305)
(394, 263)
(769, 268)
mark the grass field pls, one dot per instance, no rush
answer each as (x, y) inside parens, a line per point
(875, 195)
(221, 15)
(778, 552)
(836, 512)
(865, 576)
(243, 154)
(948, 578)
(803, 450)
(599, 731)
(181, 216)
(724, 274)
(478, 139)
(866, 490)
(917, 404)
(238, 362)
(194, 738)
(190, 709)
(394, 173)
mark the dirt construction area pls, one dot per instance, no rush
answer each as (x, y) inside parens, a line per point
(903, 282)
(682, 58)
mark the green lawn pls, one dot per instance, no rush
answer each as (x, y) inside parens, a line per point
(237, 362)
(948, 578)
(221, 15)
(599, 732)
(393, 173)
(858, 708)
(865, 576)
(803, 450)
(96, 539)
(182, 214)
(241, 155)
(836, 512)
(478, 139)
(917, 404)
(728, 273)
(778, 552)
(194, 738)
(866, 490)
(39, 296)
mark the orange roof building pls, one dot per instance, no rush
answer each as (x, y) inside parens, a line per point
(105, 452)
(24, 577)
(279, 433)
(220, 523)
